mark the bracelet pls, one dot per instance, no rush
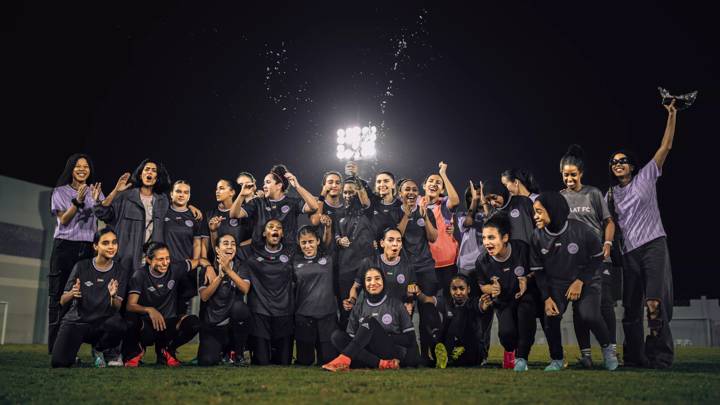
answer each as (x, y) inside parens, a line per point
(608, 242)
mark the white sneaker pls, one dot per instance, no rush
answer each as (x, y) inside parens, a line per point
(116, 362)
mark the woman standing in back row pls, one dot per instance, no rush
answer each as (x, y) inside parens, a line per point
(647, 275)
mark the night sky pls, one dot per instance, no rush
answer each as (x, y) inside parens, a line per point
(484, 89)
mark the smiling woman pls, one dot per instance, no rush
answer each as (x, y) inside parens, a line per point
(72, 203)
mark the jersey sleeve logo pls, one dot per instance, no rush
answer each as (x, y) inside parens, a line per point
(171, 284)
(420, 222)
(519, 271)
(322, 261)
(233, 222)
(515, 213)
(387, 319)
(285, 209)
(284, 258)
(189, 223)
(400, 278)
(573, 248)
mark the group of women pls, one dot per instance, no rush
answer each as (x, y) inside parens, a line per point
(343, 290)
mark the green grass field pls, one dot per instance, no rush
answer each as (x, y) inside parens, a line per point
(26, 378)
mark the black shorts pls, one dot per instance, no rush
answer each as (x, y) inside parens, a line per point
(271, 327)
(309, 329)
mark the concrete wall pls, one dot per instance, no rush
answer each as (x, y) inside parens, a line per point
(26, 235)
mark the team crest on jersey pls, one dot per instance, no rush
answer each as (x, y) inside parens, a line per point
(322, 261)
(519, 271)
(515, 213)
(573, 248)
(233, 222)
(189, 223)
(421, 222)
(89, 283)
(387, 319)
(167, 219)
(284, 258)
(285, 209)
(400, 278)
(171, 284)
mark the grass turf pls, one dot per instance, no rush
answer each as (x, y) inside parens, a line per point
(25, 377)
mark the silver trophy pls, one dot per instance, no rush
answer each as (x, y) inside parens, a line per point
(682, 101)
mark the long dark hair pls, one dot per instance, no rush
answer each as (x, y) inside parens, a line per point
(632, 161)
(66, 176)
(525, 177)
(162, 184)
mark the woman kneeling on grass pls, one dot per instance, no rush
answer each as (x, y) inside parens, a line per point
(380, 333)
(454, 323)
(95, 290)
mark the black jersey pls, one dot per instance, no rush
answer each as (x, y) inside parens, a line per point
(507, 271)
(389, 312)
(415, 241)
(314, 293)
(520, 212)
(573, 253)
(159, 292)
(270, 278)
(216, 310)
(287, 209)
(241, 228)
(357, 227)
(181, 229)
(382, 217)
(95, 301)
(398, 274)
(334, 212)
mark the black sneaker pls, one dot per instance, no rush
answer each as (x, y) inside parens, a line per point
(585, 362)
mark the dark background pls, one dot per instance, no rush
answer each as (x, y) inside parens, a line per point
(483, 88)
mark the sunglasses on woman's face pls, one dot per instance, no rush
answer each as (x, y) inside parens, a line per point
(621, 161)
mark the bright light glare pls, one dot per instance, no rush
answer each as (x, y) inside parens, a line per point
(356, 143)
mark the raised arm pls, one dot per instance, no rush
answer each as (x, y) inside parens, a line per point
(310, 200)
(668, 136)
(453, 199)
(475, 199)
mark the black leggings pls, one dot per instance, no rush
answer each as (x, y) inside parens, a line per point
(214, 340)
(463, 329)
(428, 283)
(372, 344)
(102, 334)
(272, 351)
(517, 325)
(141, 334)
(607, 311)
(589, 308)
(65, 255)
(312, 336)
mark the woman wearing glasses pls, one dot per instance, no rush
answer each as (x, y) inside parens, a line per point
(647, 275)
